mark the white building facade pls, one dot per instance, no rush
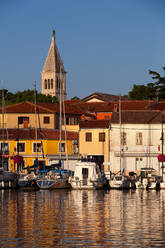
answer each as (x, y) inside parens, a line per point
(135, 141)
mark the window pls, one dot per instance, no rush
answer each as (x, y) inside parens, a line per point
(4, 147)
(21, 147)
(74, 146)
(62, 147)
(22, 119)
(46, 119)
(76, 120)
(107, 117)
(51, 83)
(48, 83)
(138, 138)
(88, 137)
(123, 139)
(45, 84)
(36, 147)
(67, 120)
(101, 137)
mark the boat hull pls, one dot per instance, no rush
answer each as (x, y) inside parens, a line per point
(53, 183)
(27, 183)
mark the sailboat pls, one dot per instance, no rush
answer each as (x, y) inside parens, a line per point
(28, 180)
(59, 178)
(118, 180)
(8, 179)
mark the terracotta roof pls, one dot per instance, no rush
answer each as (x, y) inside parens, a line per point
(79, 108)
(157, 106)
(137, 117)
(29, 134)
(69, 108)
(94, 107)
(94, 124)
(103, 97)
(25, 107)
(136, 104)
(29, 107)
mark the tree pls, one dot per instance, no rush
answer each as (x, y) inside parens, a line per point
(26, 95)
(159, 84)
(142, 92)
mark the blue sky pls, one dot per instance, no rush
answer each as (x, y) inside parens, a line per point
(106, 45)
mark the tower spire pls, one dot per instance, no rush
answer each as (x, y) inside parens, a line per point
(53, 34)
(52, 68)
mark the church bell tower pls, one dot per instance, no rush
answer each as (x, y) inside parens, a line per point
(53, 73)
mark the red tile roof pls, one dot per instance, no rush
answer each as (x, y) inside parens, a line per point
(136, 104)
(69, 108)
(157, 106)
(95, 124)
(103, 97)
(29, 107)
(109, 107)
(29, 134)
(138, 117)
(95, 107)
(25, 107)
(79, 108)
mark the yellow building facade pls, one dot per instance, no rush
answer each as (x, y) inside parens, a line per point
(29, 148)
(94, 142)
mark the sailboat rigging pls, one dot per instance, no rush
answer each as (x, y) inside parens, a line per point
(56, 179)
(118, 180)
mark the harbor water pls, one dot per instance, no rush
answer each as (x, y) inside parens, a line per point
(82, 218)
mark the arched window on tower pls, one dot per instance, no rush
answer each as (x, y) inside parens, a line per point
(48, 83)
(51, 83)
(57, 83)
(45, 84)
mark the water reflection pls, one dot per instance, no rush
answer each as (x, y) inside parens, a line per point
(82, 218)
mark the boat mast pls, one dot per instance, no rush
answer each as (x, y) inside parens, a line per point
(35, 103)
(66, 147)
(3, 112)
(120, 127)
(162, 138)
(60, 112)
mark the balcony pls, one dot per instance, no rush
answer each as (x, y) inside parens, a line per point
(136, 151)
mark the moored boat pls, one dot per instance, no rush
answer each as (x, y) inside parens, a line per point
(119, 182)
(146, 180)
(27, 182)
(86, 176)
(54, 181)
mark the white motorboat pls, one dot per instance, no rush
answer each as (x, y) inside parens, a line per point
(86, 176)
(119, 182)
(146, 179)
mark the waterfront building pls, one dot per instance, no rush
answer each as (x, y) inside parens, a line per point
(94, 142)
(23, 115)
(53, 73)
(30, 144)
(135, 141)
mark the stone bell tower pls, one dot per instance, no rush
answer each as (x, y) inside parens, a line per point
(53, 73)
